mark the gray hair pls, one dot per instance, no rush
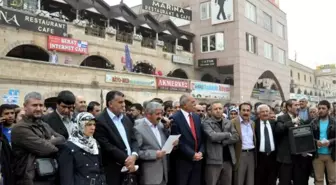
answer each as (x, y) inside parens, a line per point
(184, 99)
(313, 108)
(176, 103)
(151, 107)
(32, 95)
(263, 106)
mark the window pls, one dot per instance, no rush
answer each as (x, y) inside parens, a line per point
(268, 50)
(251, 43)
(250, 11)
(205, 10)
(281, 56)
(291, 73)
(30, 5)
(213, 42)
(280, 30)
(304, 78)
(298, 76)
(267, 22)
(310, 79)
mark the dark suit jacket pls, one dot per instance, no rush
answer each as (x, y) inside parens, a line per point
(257, 132)
(284, 122)
(55, 122)
(114, 151)
(186, 147)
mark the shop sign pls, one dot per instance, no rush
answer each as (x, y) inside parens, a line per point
(182, 60)
(128, 79)
(172, 84)
(211, 62)
(210, 90)
(166, 9)
(63, 44)
(32, 22)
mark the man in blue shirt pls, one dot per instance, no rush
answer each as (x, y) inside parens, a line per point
(324, 133)
(7, 118)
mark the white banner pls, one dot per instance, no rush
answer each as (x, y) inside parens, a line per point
(221, 11)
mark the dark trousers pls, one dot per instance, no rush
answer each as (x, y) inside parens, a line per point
(267, 169)
(298, 171)
(188, 172)
(221, 11)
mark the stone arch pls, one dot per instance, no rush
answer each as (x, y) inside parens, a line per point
(207, 78)
(144, 67)
(97, 61)
(269, 74)
(18, 43)
(26, 50)
(178, 73)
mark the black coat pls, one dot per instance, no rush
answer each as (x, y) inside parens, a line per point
(6, 160)
(55, 122)
(78, 167)
(114, 151)
(257, 132)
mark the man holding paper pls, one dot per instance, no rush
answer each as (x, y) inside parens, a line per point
(191, 148)
(151, 137)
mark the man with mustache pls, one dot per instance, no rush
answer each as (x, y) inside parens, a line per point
(245, 147)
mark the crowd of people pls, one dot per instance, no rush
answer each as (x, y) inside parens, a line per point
(231, 144)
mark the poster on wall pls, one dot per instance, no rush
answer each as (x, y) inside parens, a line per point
(12, 97)
(221, 11)
(207, 90)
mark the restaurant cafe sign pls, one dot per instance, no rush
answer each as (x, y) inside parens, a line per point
(131, 80)
(166, 9)
(31, 22)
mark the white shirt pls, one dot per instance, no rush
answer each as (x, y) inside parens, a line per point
(186, 116)
(262, 136)
(155, 130)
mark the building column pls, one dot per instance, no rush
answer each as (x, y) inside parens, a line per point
(134, 30)
(157, 37)
(191, 47)
(77, 14)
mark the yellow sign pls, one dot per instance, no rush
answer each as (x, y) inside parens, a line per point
(16, 4)
(326, 66)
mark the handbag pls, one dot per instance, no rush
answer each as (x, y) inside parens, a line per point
(130, 179)
(45, 167)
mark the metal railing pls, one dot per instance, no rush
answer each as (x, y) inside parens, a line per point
(168, 47)
(94, 30)
(124, 37)
(148, 42)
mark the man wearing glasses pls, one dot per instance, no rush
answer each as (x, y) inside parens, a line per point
(61, 119)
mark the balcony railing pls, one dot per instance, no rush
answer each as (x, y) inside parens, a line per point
(124, 37)
(95, 30)
(168, 47)
(148, 43)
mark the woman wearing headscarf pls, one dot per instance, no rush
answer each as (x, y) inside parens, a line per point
(233, 113)
(80, 159)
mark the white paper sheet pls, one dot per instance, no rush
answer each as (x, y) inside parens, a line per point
(168, 146)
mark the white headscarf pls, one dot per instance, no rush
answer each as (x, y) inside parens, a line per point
(88, 144)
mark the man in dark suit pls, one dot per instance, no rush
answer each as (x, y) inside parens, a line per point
(221, 9)
(292, 167)
(114, 132)
(266, 172)
(60, 120)
(191, 148)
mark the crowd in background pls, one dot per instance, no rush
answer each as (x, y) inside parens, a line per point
(219, 144)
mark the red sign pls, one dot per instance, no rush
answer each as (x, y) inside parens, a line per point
(172, 84)
(63, 44)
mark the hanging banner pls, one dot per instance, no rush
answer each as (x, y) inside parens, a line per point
(210, 90)
(68, 45)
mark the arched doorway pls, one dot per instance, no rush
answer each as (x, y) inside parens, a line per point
(207, 78)
(28, 51)
(97, 62)
(144, 67)
(267, 88)
(50, 102)
(178, 73)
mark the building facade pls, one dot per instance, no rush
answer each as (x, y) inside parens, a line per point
(251, 43)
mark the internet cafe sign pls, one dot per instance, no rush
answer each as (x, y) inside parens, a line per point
(166, 9)
(172, 84)
(32, 22)
(130, 79)
(63, 44)
(209, 90)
